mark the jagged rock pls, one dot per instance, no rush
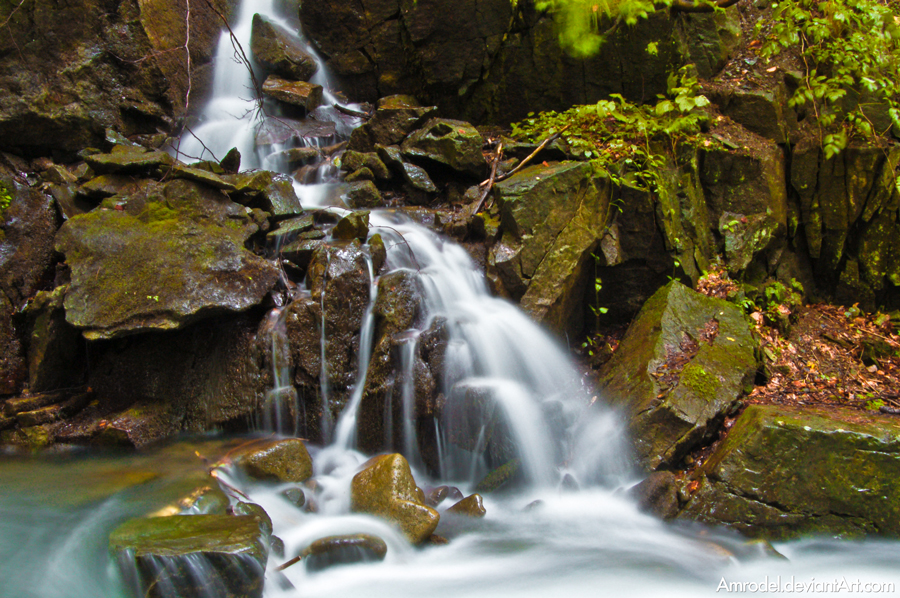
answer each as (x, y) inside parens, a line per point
(280, 460)
(352, 226)
(363, 194)
(279, 51)
(709, 39)
(291, 229)
(217, 555)
(131, 160)
(56, 353)
(343, 550)
(784, 472)
(418, 183)
(174, 254)
(352, 161)
(762, 111)
(108, 185)
(470, 506)
(385, 488)
(657, 494)
(552, 217)
(394, 119)
(202, 175)
(274, 191)
(453, 143)
(684, 361)
(298, 93)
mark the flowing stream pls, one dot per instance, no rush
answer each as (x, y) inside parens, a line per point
(580, 538)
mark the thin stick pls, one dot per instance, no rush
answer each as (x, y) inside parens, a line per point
(531, 156)
(490, 182)
(293, 561)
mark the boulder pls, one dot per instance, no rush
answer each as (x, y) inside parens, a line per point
(683, 363)
(280, 51)
(552, 218)
(174, 254)
(343, 550)
(56, 352)
(417, 182)
(130, 160)
(385, 488)
(395, 117)
(284, 460)
(363, 193)
(470, 506)
(785, 472)
(13, 365)
(451, 143)
(298, 93)
(352, 161)
(273, 192)
(197, 555)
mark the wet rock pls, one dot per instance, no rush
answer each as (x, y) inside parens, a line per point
(134, 161)
(352, 161)
(291, 229)
(281, 130)
(298, 155)
(279, 51)
(274, 192)
(418, 183)
(216, 555)
(352, 226)
(298, 93)
(474, 421)
(657, 494)
(845, 486)
(257, 512)
(452, 143)
(13, 364)
(107, 185)
(394, 119)
(552, 217)
(174, 254)
(470, 506)
(343, 550)
(202, 175)
(358, 176)
(193, 494)
(284, 460)
(56, 351)
(301, 251)
(385, 488)
(683, 362)
(504, 477)
(53, 413)
(295, 496)
(709, 39)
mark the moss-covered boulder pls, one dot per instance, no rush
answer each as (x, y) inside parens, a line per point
(385, 488)
(298, 93)
(452, 143)
(198, 555)
(172, 254)
(280, 51)
(684, 361)
(284, 460)
(552, 218)
(783, 472)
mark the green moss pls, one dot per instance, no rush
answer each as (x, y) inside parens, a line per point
(700, 381)
(5, 198)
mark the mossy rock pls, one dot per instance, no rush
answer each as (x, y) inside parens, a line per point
(173, 254)
(785, 472)
(470, 506)
(284, 460)
(160, 556)
(672, 408)
(452, 143)
(385, 488)
(280, 52)
(342, 550)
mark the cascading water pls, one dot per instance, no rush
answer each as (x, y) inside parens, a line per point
(543, 540)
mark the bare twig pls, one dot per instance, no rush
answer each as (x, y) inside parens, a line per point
(351, 112)
(239, 50)
(490, 182)
(12, 13)
(531, 156)
(293, 561)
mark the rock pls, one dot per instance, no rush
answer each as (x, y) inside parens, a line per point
(470, 506)
(473, 420)
(684, 361)
(657, 494)
(552, 217)
(133, 160)
(352, 226)
(202, 175)
(174, 254)
(56, 351)
(418, 183)
(385, 488)
(295, 496)
(284, 460)
(278, 130)
(290, 229)
(274, 192)
(394, 119)
(215, 555)
(13, 364)
(279, 51)
(452, 143)
(257, 512)
(298, 93)
(106, 185)
(762, 111)
(352, 161)
(784, 472)
(343, 550)
(709, 39)
(504, 477)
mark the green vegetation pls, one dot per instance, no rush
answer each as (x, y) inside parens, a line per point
(851, 53)
(5, 198)
(583, 25)
(626, 141)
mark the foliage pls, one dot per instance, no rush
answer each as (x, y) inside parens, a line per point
(622, 139)
(583, 25)
(5, 198)
(851, 53)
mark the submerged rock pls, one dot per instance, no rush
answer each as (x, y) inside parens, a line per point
(682, 364)
(343, 550)
(280, 460)
(783, 472)
(385, 488)
(197, 555)
(174, 254)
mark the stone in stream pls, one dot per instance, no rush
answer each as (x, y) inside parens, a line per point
(195, 555)
(385, 488)
(279, 51)
(284, 460)
(343, 550)
(470, 506)
(298, 93)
